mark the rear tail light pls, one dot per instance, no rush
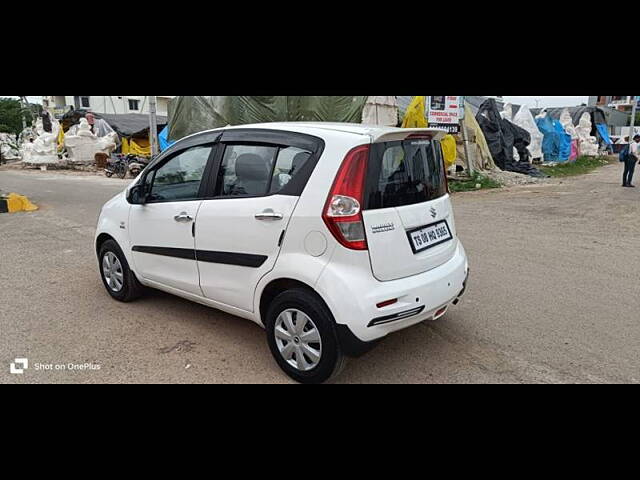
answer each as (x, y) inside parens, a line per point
(343, 209)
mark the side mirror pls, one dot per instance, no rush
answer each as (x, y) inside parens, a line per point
(137, 195)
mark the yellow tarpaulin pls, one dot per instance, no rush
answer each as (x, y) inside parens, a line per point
(61, 138)
(139, 146)
(414, 116)
(449, 150)
(478, 149)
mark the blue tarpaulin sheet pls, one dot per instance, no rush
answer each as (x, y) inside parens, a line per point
(604, 133)
(565, 142)
(550, 139)
(163, 139)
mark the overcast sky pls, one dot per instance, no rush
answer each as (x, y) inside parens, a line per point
(541, 101)
(531, 102)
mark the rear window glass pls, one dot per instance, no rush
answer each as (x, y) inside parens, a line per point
(404, 173)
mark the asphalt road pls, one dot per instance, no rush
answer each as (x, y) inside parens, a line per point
(553, 297)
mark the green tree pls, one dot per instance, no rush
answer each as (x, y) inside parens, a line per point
(11, 112)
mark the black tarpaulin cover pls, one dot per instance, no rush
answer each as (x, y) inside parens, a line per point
(191, 114)
(502, 136)
(131, 124)
(125, 125)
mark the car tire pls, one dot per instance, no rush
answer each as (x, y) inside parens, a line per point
(306, 309)
(125, 287)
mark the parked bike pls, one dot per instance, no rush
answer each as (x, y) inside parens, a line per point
(120, 164)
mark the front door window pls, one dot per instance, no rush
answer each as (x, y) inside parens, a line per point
(179, 179)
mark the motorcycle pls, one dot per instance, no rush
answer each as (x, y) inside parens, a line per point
(119, 165)
(116, 165)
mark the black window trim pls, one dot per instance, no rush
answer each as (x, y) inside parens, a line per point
(268, 138)
(250, 136)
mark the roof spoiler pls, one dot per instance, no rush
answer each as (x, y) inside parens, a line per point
(403, 133)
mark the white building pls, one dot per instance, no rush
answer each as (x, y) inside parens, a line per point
(105, 104)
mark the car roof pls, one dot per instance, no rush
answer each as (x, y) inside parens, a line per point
(375, 132)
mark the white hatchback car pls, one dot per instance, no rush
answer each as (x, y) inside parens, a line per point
(330, 236)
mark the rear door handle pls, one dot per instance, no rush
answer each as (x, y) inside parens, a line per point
(268, 214)
(183, 217)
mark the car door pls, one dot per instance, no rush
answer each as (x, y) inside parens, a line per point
(161, 230)
(239, 230)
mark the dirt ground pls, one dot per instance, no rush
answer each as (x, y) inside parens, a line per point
(553, 297)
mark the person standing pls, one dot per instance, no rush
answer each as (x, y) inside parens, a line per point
(630, 161)
(91, 120)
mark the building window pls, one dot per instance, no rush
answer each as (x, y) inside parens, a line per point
(134, 104)
(84, 102)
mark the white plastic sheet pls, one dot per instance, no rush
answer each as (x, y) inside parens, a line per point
(9, 146)
(43, 150)
(567, 123)
(588, 143)
(83, 146)
(507, 114)
(380, 111)
(524, 119)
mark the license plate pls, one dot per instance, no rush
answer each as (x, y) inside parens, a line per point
(429, 236)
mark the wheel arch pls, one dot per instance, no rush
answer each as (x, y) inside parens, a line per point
(276, 287)
(100, 239)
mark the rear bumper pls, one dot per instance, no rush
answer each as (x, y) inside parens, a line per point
(426, 296)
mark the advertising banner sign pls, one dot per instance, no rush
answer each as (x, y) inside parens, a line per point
(445, 112)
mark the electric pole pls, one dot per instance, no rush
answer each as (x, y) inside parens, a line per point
(153, 126)
(25, 104)
(634, 102)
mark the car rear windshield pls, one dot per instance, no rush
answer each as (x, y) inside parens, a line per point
(404, 173)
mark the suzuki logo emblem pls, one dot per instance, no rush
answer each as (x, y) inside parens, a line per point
(434, 212)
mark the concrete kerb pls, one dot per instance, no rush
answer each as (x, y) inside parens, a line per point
(13, 202)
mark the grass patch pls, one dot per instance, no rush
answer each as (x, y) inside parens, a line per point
(470, 184)
(581, 166)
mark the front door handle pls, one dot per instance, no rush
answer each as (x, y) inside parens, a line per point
(268, 214)
(183, 217)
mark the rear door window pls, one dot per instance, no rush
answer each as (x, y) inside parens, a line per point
(245, 170)
(289, 164)
(404, 173)
(258, 170)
